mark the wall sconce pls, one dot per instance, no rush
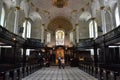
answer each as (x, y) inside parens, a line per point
(43, 50)
(14, 39)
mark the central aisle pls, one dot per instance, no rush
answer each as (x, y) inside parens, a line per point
(54, 73)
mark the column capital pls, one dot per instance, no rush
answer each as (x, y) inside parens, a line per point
(26, 18)
(76, 24)
(102, 7)
(17, 7)
(92, 18)
(43, 24)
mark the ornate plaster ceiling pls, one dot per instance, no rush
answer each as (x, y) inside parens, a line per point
(46, 11)
(71, 12)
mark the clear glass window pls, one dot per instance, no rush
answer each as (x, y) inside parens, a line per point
(60, 36)
(117, 17)
(2, 17)
(26, 25)
(93, 32)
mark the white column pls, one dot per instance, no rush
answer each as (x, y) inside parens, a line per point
(103, 21)
(42, 33)
(74, 36)
(103, 16)
(17, 16)
(111, 17)
(94, 31)
(71, 37)
(93, 14)
(77, 33)
(93, 10)
(26, 23)
(26, 11)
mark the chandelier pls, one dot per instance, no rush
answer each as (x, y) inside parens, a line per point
(60, 3)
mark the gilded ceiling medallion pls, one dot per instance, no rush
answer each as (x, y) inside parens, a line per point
(60, 3)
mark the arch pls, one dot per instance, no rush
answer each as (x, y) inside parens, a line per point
(10, 3)
(60, 37)
(60, 22)
(85, 16)
(93, 32)
(37, 22)
(34, 16)
(2, 20)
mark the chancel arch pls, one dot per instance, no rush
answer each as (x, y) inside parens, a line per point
(63, 26)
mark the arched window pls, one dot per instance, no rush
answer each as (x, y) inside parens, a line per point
(117, 17)
(2, 20)
(93, 33)
(27, 29)
(48, 37)
(60, 36)
(27, 33)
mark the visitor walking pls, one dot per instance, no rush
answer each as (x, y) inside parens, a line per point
(59, 62)
(63, 63)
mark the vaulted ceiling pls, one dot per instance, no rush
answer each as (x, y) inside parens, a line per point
(53, 17)
(71, 12)
(75, 16)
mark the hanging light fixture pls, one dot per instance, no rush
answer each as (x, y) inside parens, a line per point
(60, 3)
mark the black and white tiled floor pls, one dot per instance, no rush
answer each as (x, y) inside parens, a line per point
(54, 73)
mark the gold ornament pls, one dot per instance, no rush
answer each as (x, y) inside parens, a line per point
(102, 7)
(17, 7)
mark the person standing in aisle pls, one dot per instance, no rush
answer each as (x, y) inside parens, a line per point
(59, 62)
(63, 63)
